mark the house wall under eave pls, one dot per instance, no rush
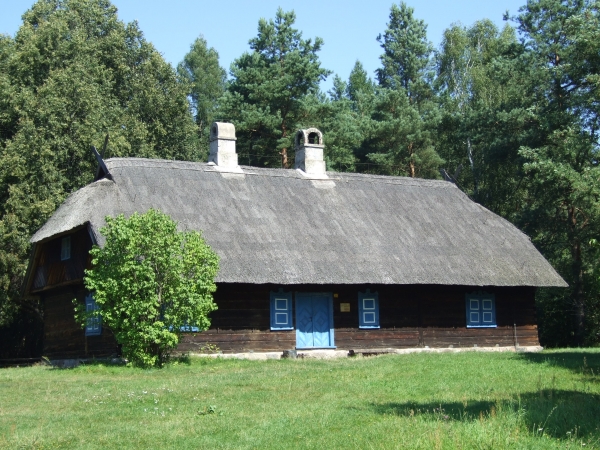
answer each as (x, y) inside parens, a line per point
(57, 282)
(410, 316)
(65, 338)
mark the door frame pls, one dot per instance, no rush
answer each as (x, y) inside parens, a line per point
(329, 296)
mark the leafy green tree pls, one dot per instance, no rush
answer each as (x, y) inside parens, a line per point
(72, 74)
(523, 115)
(206, 80)
(265, 96)
(482, 79)
(151, 282)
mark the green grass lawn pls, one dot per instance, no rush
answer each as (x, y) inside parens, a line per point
(464, 400)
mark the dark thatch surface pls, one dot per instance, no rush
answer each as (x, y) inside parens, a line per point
(277, 226)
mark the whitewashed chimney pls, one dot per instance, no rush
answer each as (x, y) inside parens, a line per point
(222, 145)
(309, 151)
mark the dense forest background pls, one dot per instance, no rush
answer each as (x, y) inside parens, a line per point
(510, 115)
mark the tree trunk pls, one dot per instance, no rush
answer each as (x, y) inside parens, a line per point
(284, 156)
(472, 164)
(411, 164)
(577, 268)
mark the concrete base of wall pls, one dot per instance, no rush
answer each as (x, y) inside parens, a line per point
(328, 354)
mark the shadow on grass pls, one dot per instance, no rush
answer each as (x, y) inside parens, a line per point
(67, 364)
(63, 364)
(582, 362)
(555, 413)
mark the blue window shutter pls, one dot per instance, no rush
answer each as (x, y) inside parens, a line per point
(281, 310)
(368, 309)
(481, 310)
(93, 326)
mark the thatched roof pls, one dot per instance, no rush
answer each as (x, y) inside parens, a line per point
(278, 226)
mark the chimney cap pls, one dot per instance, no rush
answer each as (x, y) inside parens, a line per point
(309, 136)
(222, 130)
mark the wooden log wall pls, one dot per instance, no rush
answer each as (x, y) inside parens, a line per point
(66, 339)
(410, 316)
(50, 271)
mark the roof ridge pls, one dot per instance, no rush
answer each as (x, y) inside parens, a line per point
(285, 173)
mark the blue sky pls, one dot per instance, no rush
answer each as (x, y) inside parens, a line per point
(348, 27)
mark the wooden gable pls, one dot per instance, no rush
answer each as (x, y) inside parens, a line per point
(51, 267)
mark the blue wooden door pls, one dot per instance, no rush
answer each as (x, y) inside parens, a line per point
(314, 320)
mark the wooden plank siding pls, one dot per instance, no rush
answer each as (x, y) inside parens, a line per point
(50, 271)
(65, 338)
(410, 316)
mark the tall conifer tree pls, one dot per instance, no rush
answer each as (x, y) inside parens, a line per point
(405, 116)
(206, 79)
(562, 208)
(72, 74)
(265, 97)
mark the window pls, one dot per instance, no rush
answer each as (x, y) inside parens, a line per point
(368, 310)
(481, 310)
(281, 310)
(65, 248)
(93, 326)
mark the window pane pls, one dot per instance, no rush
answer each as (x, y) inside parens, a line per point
(93, 325)
(65, 248)
(481, 310)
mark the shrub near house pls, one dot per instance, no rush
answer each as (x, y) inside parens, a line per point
(149, 282)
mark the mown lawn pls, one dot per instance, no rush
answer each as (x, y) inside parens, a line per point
(466, 400)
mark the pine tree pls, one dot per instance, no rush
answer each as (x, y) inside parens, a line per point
(359, 84)
(405, 114)
(562, 209)
(206, 79)
(406, 58)
(264, 99)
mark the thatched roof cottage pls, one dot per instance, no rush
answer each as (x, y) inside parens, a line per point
(309, 258)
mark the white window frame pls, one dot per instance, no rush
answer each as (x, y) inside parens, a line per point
(480, 310)
(368, 310)
(281, 311)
